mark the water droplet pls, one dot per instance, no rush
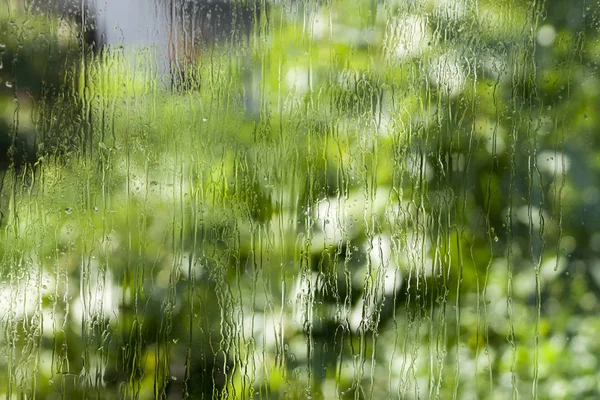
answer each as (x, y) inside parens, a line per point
(68, 210)
(496, 239)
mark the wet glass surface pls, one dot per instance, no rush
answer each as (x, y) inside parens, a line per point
(261, 199)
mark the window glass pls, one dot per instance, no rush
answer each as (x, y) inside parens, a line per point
(282, 199)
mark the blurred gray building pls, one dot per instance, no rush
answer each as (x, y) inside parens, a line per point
(171, 31)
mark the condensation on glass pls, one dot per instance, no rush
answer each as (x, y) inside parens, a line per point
(260, 199)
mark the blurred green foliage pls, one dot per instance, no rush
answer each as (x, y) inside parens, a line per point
(358, 199)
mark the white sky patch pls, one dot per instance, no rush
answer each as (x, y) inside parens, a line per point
(524, 284)
(546, 35)
(409, 36)
(382, 260)
(399, 213)
(448, 74)
(184, 266)
(16, 301)
(298, 78)
(356, 318)
(52, 321)
(495, 66)
(414, 164)
(263, 328)
(392, 280)
(19, 298)
(551, 162)
(330, 219)
(381, 251)
(550, 269)
(492, 135)
(412, 252)
(451, 9)
(522, 213)
(339, 217)
(302, 297)
(100, 296)
(347, 34)
(320, 27)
